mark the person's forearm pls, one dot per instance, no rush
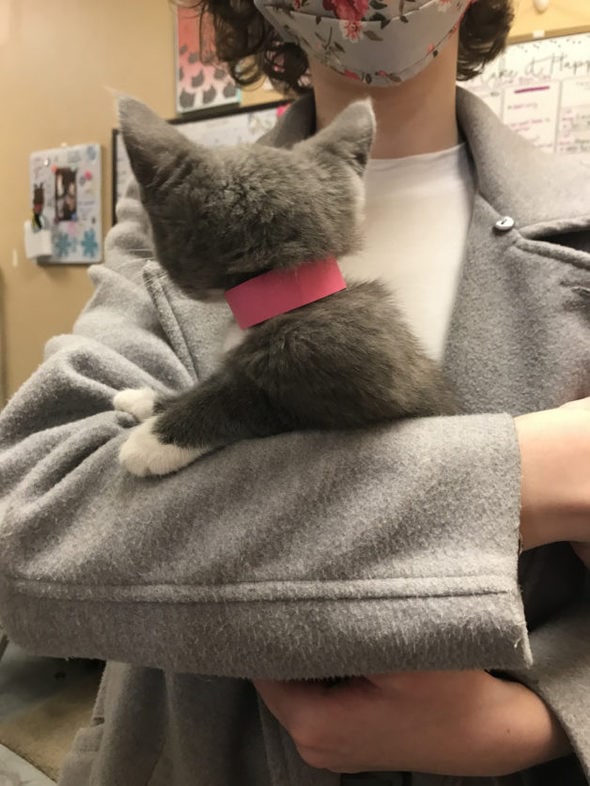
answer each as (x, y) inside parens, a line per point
(350, 534)
(555, 475)
(469, 723)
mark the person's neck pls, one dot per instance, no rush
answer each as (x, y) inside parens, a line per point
(414, 117)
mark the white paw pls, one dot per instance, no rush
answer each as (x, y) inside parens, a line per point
(143, 454)
(137, 402)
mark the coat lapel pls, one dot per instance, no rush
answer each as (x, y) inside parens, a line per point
(519, 337)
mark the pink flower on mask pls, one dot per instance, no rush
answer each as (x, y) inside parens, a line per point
(349, 10)
(350, 74)
(351, 30)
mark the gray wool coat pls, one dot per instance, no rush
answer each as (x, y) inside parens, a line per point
(302, 555)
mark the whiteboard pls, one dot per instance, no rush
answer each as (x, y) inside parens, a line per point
(541, 89)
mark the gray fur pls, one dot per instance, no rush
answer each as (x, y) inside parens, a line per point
(220, 216)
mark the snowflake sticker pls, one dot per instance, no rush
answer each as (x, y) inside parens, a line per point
(89, 244)
(61, 244)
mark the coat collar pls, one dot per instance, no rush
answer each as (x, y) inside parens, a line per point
(544, 194)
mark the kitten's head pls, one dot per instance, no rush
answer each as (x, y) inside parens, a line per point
(222, 215)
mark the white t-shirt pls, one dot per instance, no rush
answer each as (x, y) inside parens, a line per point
(417, 215)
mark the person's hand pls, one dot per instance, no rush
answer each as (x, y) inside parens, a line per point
(462, 723)
(555, 483)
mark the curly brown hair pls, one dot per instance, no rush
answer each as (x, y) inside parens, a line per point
(252, 48)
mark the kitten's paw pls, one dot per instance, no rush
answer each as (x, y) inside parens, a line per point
(137, 402)
(143, 454)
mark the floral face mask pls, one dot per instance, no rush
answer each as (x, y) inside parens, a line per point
(381, 42)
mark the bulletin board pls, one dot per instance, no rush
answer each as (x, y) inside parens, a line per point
(541, 89)
(66, 183)
(227, 126)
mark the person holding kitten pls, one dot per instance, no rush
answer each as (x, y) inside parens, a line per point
(435, 566)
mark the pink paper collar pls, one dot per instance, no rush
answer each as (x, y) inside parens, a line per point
(278, 291)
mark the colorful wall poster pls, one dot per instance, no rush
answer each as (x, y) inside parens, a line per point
(201, 81)
(65, 187)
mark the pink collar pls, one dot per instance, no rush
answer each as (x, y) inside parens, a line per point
(278, 291)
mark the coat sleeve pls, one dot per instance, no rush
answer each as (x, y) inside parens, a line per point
(560, 674)
(301, 555)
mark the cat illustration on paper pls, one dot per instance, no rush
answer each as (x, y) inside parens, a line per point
(220, 217)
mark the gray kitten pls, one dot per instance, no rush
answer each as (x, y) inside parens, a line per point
(221, 216)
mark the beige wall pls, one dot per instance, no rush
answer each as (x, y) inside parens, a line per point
(561, 17)
(55, 60)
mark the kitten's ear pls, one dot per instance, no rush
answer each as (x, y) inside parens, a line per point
(350, 135)
(153, 145)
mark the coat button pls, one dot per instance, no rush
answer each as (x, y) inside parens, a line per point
(504, 224)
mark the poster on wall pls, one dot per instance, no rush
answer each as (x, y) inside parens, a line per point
(65, 186)
(201, 83)
(541, 89)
